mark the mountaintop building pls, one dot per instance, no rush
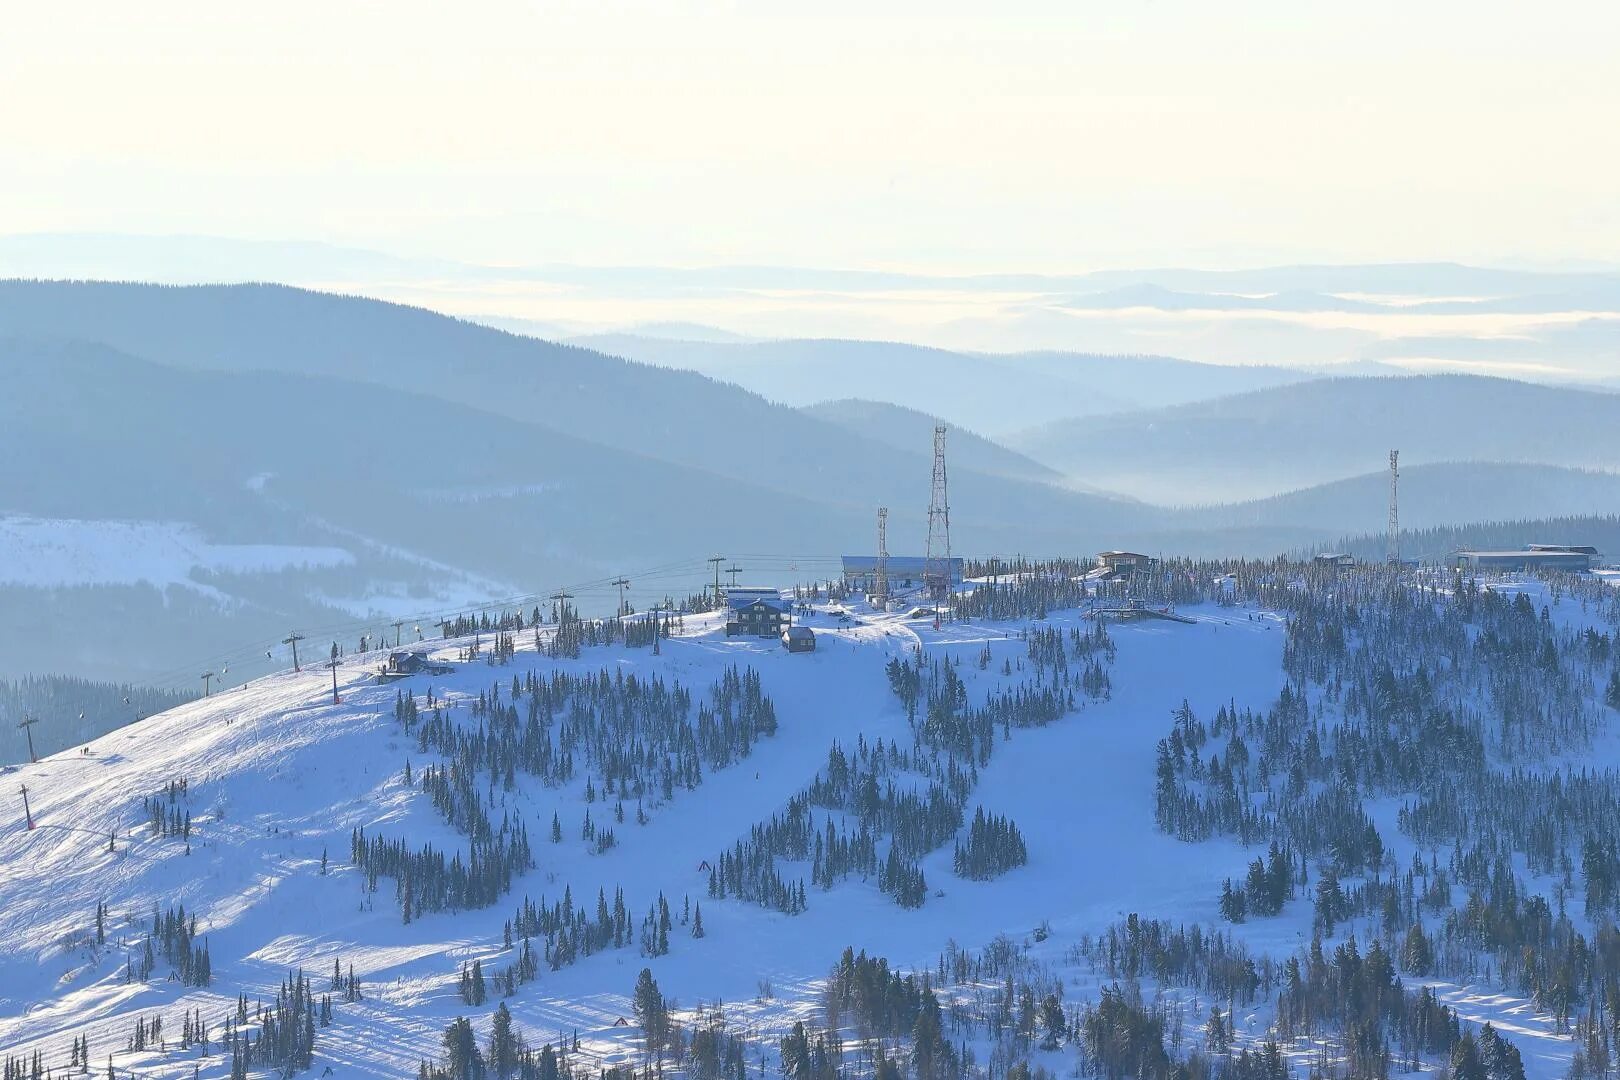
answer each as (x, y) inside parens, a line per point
(906, 572)
(1124, 562)
(753, 611)
(1573, 558)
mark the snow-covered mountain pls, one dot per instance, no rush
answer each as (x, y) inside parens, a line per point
(385, 838)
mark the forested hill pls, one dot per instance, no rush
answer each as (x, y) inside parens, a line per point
(656, 413)
(1436, 542)
(572, 845)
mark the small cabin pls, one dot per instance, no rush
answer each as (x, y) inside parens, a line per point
(402, 665)
(1336, 560)
(799, 639)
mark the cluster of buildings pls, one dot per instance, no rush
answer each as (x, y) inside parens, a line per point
(764, 613)
(1569, 558)
(906, 573)
(1572, 558)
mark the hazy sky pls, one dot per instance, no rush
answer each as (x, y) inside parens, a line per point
(924, 136)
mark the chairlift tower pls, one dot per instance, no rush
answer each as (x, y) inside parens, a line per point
(937, 571)
(27, 724)
(293, 639)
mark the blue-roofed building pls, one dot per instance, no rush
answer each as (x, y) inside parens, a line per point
(905, 572)
(756, 612)
(799, 639)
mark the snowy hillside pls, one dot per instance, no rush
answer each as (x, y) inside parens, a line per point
(252, 810)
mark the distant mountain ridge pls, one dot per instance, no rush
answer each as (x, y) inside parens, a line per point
(447, 463)
(678, 416)
(1251, 445)
(1431, 496)
(213, 259)
(909, 428)
(990, 393)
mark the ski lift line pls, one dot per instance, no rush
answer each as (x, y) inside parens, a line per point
(602, 588)
(667, 571)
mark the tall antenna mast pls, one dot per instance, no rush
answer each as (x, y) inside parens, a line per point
(1394, 553)
(882, 582)
(938, 569)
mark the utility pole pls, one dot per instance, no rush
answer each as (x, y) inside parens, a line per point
(1394, 552)
(207, 677)
(27, 725)
(444, 626)
(27, 813)
(559, 602)
(734, 570)
(658, 627)
(622, 582)
(333, 664)
(399, 624)
(717, 560)
(293, 640)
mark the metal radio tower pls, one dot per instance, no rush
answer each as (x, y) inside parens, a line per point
(1394, 552)
(882, 584)
(938, 569)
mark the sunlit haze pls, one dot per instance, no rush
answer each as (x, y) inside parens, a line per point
(931, 137)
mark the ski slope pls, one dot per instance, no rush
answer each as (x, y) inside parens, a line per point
(279, 775)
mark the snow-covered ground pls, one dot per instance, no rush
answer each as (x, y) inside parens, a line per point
(48, 552)
(279, 776)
